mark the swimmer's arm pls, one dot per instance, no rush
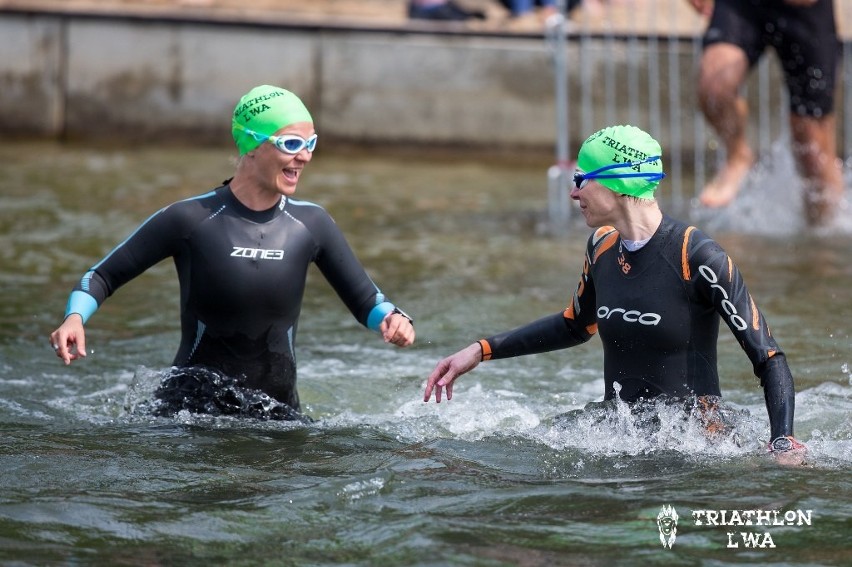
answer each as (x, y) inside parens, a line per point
(546, 334)
(342, 269)
(720, 282)
(780, 396)
(151, 242)
(553, 332)
(573, 326)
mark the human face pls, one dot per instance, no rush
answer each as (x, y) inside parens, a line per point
(277, 168)
(598, 204)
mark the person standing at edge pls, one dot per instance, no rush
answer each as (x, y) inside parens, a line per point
(655, 288)
(242, 253)
(804, 34)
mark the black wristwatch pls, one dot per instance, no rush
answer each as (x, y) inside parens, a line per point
(399, 311)
(781, 444)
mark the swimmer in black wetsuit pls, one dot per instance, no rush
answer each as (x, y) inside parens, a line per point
(242, 253)
(654, 287)
(804, 35)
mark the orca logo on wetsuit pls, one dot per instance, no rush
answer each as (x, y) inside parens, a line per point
(729, 308)
(631, 316)
(243, 252)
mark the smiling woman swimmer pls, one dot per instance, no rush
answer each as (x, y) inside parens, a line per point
(242, 253)
(655, 288)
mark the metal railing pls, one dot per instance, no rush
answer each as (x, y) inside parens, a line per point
(655, 101)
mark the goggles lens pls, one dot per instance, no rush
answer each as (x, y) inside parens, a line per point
(292, 144)
(580, 180)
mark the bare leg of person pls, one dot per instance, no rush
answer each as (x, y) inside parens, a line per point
(724, 68)
(815, 150)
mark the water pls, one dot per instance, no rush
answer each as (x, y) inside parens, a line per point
(381, 478)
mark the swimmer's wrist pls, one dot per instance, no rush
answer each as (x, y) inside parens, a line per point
(784, 443)
(484, 350)
(398, 311)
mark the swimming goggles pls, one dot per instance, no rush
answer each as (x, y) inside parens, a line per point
(286, 143)
(581, 179)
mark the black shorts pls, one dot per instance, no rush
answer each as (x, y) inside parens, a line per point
(805, 39)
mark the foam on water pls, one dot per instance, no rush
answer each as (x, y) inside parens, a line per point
(476, 414)
(558, 421)
(602, 430)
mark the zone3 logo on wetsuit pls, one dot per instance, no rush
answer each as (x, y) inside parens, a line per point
(241, 252)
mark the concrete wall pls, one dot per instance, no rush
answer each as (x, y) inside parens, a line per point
(78, 76)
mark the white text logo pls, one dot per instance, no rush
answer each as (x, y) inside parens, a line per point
(631, 316)
(241, 252)
(729, 308)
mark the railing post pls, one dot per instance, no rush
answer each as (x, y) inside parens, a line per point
(559, 202)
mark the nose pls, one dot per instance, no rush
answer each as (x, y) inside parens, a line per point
(575, 193)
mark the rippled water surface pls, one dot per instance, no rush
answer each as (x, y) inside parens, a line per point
(490, 478)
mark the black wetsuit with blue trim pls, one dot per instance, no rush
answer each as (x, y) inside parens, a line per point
(658, 311)
(242, 278)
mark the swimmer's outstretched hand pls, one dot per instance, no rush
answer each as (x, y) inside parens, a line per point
(69, 340)
(449, 369)
(397, 329)
(788, 451)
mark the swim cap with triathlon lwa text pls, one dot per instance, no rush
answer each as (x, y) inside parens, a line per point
(265, 110)
(624, 159)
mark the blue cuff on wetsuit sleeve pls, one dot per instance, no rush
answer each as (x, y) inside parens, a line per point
(378, 314)
(81, 303)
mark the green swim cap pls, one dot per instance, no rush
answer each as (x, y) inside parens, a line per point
(623, 144)
(265, 110)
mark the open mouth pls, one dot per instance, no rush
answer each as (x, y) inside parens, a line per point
(291, 175)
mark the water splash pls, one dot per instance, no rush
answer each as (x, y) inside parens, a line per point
(560, 424)
(198, 390)
(615, 428)
(771, 201)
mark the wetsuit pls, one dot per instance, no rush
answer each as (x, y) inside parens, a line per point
(657, 310)
(242, 278)
(805, 38)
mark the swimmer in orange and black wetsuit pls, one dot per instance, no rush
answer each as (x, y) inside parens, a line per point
(655, 288)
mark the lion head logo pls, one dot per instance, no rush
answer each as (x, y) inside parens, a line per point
(667, 522)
